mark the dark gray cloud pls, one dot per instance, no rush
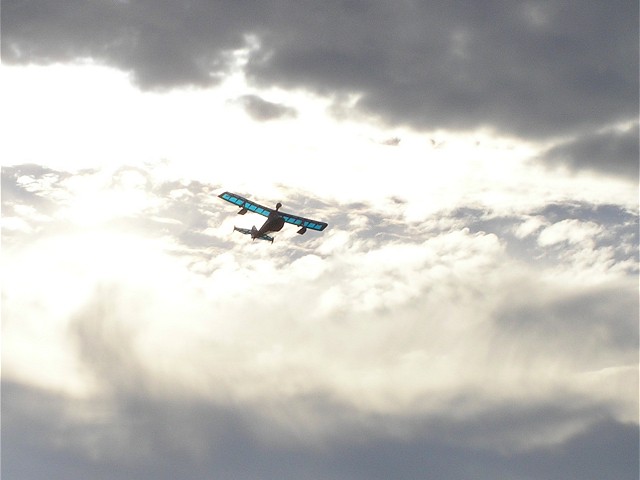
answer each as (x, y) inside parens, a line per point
(163, 45)
(262, 110)
(49, 436)
(613, 152)
(569, 321)
(534, 69)
(526, 68)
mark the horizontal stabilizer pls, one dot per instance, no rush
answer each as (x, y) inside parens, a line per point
(246, 231)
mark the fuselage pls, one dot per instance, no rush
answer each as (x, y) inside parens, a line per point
(274, 223)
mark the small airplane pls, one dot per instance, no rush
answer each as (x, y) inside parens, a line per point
(275, 218)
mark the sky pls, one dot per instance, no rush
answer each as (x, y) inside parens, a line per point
(470, 312)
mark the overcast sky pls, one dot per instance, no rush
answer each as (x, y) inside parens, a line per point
(471, 312)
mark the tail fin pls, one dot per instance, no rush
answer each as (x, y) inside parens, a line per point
(254, 233)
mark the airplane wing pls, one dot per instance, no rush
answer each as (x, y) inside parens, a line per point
(245, 204)
(303, 222)
(248, 205)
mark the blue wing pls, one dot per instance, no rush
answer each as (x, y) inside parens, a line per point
(244, 203)
(250, 206)
(303, 222)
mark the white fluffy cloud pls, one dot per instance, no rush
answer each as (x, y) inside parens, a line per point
(430, 320)
(572, 231)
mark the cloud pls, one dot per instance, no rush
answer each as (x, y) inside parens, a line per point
(529, 226)
(532, 70)
(612, 151)
(262, 110)
(462, 66)
(162, 47)
(391, 142)
(383, 346)
(156, 438)
(572, 231)
(570, 318)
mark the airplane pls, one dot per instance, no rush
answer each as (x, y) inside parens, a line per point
(275, 218)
